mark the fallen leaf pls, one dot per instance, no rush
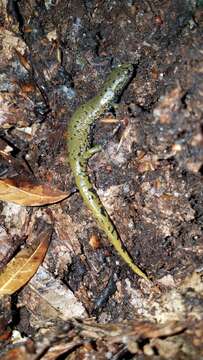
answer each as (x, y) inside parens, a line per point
(24, 265)
(26, 193)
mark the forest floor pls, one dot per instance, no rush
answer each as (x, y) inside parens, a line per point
(54, 56)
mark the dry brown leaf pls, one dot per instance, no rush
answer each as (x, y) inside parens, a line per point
(29, 194)
(24, 265)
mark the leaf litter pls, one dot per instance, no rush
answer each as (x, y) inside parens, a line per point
(24, 265)
(170, 127)
(26, 193)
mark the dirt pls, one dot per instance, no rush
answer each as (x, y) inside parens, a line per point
(149, 172)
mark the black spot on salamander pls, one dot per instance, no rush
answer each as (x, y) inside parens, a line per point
(103, 211)
(89, 193)
(91, 189)
(113, 231)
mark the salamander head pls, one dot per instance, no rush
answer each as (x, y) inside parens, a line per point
(117, 81)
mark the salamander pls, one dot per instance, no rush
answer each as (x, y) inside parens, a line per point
(80, 150)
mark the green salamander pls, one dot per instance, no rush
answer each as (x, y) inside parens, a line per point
(80, 151)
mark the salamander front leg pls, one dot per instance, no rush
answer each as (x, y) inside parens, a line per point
(90, 152)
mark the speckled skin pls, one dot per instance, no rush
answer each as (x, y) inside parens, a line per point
(80, 151)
